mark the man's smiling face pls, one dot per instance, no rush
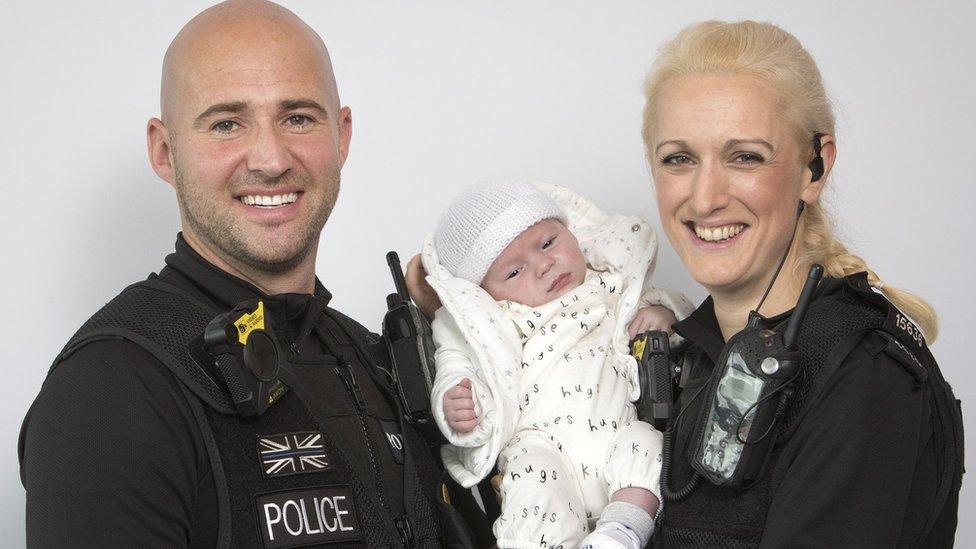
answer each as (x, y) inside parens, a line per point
(256, 139)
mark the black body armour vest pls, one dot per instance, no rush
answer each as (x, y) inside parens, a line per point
(280, 479)
(713, 516)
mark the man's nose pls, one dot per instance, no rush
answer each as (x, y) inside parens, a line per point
(710, 191)
(269, 154)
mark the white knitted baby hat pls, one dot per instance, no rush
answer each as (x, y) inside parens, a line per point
(485, 219)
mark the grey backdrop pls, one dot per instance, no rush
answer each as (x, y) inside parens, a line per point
(444, 94)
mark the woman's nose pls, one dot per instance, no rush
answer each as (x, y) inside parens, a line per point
(710, 191)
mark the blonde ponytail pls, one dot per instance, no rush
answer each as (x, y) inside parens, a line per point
(818, 245)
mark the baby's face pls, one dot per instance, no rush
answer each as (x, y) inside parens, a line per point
(541, 264)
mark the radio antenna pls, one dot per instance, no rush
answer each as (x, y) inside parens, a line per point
(393, 260)
(792, 333)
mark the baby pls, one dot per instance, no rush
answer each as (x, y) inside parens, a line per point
(541, 294)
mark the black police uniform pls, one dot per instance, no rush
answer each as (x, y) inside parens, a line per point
(859, 466)
(117, 451)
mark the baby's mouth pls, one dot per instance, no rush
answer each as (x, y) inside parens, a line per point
(560, 281)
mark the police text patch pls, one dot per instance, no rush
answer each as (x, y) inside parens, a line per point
(325, 514)
(292, 454)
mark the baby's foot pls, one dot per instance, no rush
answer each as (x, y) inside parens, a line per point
(611, 535)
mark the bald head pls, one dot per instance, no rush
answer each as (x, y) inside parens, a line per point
(245, 36)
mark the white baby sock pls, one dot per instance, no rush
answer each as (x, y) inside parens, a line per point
(622, 525)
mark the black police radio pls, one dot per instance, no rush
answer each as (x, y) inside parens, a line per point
(656, 376)
(748, 393)
(410, 349)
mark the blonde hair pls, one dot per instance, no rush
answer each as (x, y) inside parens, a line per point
(777, 58)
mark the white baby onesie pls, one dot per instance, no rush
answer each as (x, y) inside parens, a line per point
(577, 439)
(477, 340)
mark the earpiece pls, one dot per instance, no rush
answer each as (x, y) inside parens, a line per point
(816, 165)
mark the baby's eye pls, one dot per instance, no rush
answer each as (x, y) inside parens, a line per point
(548, 243)
(513, 273)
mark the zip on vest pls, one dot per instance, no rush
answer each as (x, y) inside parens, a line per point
(349, 380)
(345, 373)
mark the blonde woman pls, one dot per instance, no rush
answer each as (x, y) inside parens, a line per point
(739, 135)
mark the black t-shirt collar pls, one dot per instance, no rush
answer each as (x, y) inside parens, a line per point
(296, 312)
(701, 329)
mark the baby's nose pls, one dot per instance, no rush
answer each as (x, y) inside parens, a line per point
(546, 265)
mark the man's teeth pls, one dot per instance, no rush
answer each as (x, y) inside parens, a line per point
(265, 200)
(713, 234)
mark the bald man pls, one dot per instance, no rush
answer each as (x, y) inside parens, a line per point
(138, 436)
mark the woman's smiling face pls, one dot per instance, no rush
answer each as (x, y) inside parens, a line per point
(729, 175)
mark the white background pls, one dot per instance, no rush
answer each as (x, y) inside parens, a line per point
(444, 94)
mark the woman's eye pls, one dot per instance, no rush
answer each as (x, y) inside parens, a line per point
(548, 243)
(677, 159)
(224, 126)
(747, 158)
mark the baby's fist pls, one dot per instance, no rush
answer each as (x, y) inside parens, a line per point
(459, 407)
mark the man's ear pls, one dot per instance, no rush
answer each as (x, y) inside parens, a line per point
(345, 133)
(160, 150)
(828, 151)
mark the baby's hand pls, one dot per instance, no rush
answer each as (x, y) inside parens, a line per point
(459, 407)
(655, 317)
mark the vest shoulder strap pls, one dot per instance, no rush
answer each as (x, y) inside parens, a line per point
(825, 343)
(833, 326)
(162, 319)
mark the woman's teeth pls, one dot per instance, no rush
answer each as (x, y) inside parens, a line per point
(269, 201)
(715, 234)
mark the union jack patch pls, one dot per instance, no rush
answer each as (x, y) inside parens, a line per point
(292, 454)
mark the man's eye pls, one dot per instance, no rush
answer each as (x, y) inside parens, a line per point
(747, 158)
(548, 243)
(298, 120)
(224, 126)
(676, 159)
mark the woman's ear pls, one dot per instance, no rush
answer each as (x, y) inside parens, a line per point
(828, 154)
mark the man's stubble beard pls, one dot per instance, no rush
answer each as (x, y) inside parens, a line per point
(221, 229)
